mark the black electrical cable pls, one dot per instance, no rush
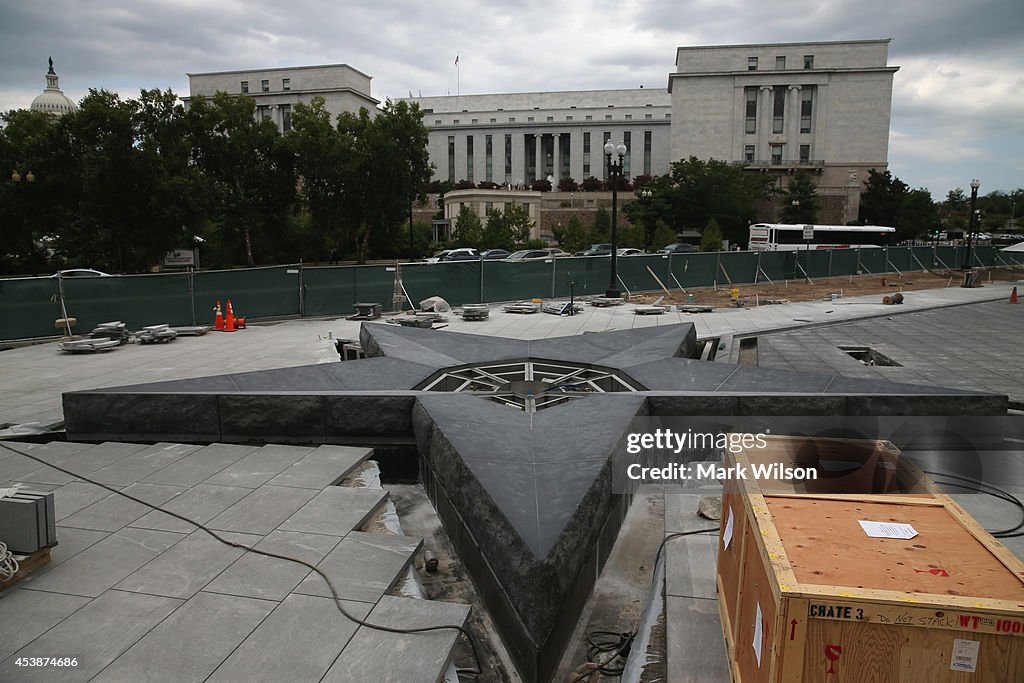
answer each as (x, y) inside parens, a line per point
(993, 491)
(678, 534)
(287, 558)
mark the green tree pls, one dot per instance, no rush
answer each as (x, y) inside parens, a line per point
(663, 235)
(698, 190)
(496, 234)
(919, 215)
(468, 228)
(799, 200)
(882, 198)
(711, 239)
(518, 222)
(574, 236)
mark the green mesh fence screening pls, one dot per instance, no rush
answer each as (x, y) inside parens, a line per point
(28, 307)
(136, 300)
(741, 267)
(591, 276)
(457, 282)
(254, 292)
(515, 280)
(694, 270)
(329, 290)
(775, 265)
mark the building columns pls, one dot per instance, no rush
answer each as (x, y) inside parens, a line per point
(538, 158)
(765, 124)
(556, 160)
(793, 136)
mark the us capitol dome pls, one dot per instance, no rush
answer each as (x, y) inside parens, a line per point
(53, 100)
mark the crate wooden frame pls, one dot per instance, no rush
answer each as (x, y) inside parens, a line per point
(759, 572)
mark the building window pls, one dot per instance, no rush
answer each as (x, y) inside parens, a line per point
(437, 122)
(780, 63)
(286, 118)
(286, 84)
(451, 158)
(779, 109)
(473, 121)
(607, 117)
(748, 152)
(805, 154)
(508, 157)
(568, 118)
(808, 61)
(629, 117)
(245, 87)
(589, 117)
(494, 120)
(647, 152)
(586, 155)
(604, 167)
(265, 85)
(488, 159)
(648, 116)
(529, 119)
(263, 113)
(551, 118)
(750, 95)
(511, 119)
(668, 116)
(469, 158)
(455, 120)
(776, 154)
(488, 207)
(806, 108)
(751, 63)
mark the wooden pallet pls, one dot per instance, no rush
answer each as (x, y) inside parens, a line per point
(26, 566)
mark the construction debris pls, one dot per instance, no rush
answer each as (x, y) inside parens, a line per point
(524, 307)
(475, 311)
(695, 309)
(113, 330)
(652, 309)
(602, 301)
(889, 300)
(561, 308)
(87, 345)
(366, 311)
(156, 334)
(195, 331)
(435, 304)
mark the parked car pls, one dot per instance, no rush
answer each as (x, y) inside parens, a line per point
(495, 254)
(679, 248)
(630, 251)
(596, 250)
(438, 256)
(529, 255)
(80, 272)
(462, 254)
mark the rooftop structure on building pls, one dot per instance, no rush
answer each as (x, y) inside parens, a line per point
(278, 90)
(53, 100)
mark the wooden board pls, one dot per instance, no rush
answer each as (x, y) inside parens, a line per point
(36, 560)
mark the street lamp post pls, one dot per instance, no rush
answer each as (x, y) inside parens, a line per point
(645, 196)
(970, 223)
(21, 182)
(614, 174)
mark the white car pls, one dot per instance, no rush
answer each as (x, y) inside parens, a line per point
(629, 251)
(80, 272)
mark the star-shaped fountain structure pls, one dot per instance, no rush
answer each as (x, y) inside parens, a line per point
(516, 438)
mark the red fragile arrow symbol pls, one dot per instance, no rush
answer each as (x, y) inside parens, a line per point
(792, 630)
(935, 572)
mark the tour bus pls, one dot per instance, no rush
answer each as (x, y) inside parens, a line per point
(784, 237)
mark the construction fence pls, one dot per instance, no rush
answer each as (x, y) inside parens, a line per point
(30, 306)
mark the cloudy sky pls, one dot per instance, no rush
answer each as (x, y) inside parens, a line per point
(958, 100)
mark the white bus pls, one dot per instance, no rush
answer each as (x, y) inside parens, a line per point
(784, 237)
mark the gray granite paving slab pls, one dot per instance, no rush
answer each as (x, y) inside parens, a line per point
(412, 656)
(335, 511)
(114, 512)
(681, 374)
(298, 642)
(696, 647)
(70, 542)
(269, 578)
(201, 503)
(263, 510)
(204, 463)
(259, 467)
(26, 615)
(191, 643)
(363, 566)
(690, 566)
(142, 464)
(103, 564)
(96, 634)
(436, 350)
(185, 568)
(72, 497)
(325, 466)
(381, 374)
(101, 455)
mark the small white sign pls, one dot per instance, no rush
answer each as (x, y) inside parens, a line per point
(727, 534)
(292, 271)
(808, 232)
(758, 635)
(965, 655)
(887, 529)
(179, 258)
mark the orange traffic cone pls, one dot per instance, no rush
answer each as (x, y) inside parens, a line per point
(1013, 296)
(219, 320)
(229, 320)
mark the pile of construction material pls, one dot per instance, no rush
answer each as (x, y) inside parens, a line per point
(475, 311)
(105, 337)
(156, 334)
(561, 308)
(525, 307)
(114, 331)
(604, 301)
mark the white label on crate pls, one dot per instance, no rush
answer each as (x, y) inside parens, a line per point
(727, 534)
(758, 635)
(887, 529)
(965, 655)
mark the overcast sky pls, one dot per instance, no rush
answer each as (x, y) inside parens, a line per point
(958, 99)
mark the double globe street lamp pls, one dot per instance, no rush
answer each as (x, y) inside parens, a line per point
(614, 174)
(971, 227)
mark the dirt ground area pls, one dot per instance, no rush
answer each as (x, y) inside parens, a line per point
(822, 288)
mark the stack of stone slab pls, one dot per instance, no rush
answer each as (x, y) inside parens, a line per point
(475, 311)
(113, 330)
(156, 334)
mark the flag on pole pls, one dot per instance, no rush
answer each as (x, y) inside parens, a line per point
(456, 60)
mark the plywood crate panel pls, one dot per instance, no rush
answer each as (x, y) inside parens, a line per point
(806, 595)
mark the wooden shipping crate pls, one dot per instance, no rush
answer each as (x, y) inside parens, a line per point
(805, 595)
